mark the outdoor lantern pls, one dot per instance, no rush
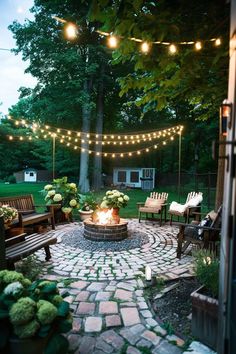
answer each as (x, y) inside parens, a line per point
(225, 117)
(148, 273)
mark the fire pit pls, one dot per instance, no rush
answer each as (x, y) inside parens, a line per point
(105, 228)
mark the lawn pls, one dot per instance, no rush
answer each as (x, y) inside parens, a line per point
(136, 195)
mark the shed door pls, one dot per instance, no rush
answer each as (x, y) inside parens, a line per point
(30, 176)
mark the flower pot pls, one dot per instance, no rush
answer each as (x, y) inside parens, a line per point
(85, 214)
(204, 318)
(28, 345)
(115, 215)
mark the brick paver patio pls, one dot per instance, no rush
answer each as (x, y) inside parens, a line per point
(106, 293)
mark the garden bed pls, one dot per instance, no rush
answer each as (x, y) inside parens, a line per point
(174, 307)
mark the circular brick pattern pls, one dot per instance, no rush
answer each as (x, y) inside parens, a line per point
(159, 252)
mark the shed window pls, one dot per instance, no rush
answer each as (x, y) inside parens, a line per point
(121, 176)
(31, 174)
(134, 176)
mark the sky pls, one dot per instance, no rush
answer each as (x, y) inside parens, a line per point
(12, 67)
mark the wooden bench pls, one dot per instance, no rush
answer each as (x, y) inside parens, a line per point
(27, 211)
(15, 248)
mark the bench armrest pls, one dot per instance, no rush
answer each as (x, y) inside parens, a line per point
(139, 204)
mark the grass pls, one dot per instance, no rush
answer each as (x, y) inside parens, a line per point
(131, 211)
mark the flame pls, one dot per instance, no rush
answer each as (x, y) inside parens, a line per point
(105, 217)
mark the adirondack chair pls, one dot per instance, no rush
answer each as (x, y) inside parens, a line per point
(204, 234)
(192, 204)
(155, 204)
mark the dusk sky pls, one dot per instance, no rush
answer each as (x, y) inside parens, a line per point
(12, 68)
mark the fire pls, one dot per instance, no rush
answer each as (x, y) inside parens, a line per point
(104, 217)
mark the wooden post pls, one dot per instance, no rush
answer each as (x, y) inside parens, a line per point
(227, 290)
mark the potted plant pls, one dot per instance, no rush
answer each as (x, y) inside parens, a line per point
(205, 299)
(32, 316)
(114, 200)
(88, 204)
(63, 195)
(8, 213)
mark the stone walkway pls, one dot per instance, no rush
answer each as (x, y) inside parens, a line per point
(106, 292)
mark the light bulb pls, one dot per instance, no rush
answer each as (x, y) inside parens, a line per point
(217, 42)
(71, 31)
(145, 47)
(198, 45)
(112, 42)
(172, 49)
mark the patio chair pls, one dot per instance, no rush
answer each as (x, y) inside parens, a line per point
(155, 204)
(204, 234)
(192, 204)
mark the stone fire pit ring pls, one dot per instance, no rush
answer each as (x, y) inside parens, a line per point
(109, 232)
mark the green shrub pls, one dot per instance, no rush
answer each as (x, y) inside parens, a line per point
(33, 310)
(206, 266)
(11, 179)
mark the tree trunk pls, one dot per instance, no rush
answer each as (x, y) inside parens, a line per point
(84, 154)
(220, 176)
(97, 167)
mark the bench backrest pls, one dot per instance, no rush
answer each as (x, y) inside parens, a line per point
(20, 202)
(161, 196)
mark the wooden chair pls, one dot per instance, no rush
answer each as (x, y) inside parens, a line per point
(155, 204)
(185, 210)
(200, 235)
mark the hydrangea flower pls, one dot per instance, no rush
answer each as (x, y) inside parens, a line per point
(57, 197)
(73, 203)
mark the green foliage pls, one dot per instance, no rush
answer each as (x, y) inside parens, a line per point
(32, 309)
(46, 312)
(206, 266)
(168, 327)
(29, 267)
(11, 179)
(61, 192)
(22, 311)
(88, 202)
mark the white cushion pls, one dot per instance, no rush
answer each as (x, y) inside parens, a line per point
(180, 208)
(195, 201)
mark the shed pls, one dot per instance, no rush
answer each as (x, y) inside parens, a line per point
(134, 177)
(33, 175)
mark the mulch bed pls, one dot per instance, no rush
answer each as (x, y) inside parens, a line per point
(174, 307)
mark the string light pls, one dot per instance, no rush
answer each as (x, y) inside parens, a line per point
(172, 49)
(198, 45)
(71, 31)
(145, 47)
(112, 42)
(152, 135)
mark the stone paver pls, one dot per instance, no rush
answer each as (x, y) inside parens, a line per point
(123, 295)
(111, 314)
(93, 324)
(108, 307)
(86, 308)
(113, 321)
(130, 316)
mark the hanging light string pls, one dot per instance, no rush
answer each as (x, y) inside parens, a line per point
(104, 139)
(72, 32)
(136, 152)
